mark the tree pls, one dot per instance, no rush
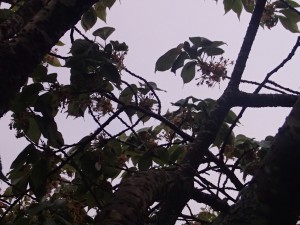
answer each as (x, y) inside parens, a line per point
(159, 168)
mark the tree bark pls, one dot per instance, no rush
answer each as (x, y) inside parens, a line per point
(20, 55)
(137, 193)
(273, 197)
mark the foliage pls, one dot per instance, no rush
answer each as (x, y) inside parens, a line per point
(52, 182)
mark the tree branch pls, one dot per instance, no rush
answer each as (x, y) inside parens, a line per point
(213, 201)
(18, 20)
(244, 99)
(131, 201)
(275, 187)
(21, 54)
(246, 46)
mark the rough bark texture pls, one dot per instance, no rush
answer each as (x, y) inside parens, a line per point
(137, 193)
(20, 55)
(273, 197)
(18, 20)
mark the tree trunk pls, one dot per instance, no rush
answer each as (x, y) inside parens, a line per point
(273, 197)
(134, 196)
(20, 55)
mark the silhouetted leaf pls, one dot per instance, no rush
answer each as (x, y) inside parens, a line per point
(52, 60)
(109, 3)
(248, 5)
(111, 73)
(81, 46)
(188, 72)
(22, 157)
(27, 97)
(33, 132)
(289, 25)
(200, 41)
(163, 156)
(47, 104)
(228, 4)
(100, 10)
(104, 32)
(237, 7)
(167, 60)
(38, 178)
(5, 14)
(88, 19)
(291, 15)
(179, 61)
(214, 51)
(145, 162)
(119, 46)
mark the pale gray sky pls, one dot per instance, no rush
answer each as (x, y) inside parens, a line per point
(150, 28)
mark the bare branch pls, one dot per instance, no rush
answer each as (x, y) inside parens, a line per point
(213, 201)
(246, 46)
(264, 100)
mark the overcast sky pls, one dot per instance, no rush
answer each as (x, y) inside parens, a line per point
(150, 28)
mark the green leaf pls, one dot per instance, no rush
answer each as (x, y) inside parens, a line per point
(200, 41)
(291, 15)
(78, 106)
(179, 61)
(81, 46)
(216, 44)
(222, 134)
(22, 157)
(237, 7)
(126, 97)
(230, 117)
(19, 179)
(177, 153)
(214, 51)
(60, 43)
(30, 91)
(100, 9)
(188, 72)
(50, 78)
(119, 46)
(49, 130)
(27, 97)
(33, 132)
(104, 32)
(293, 3)
(163, 155)
(52, 60)
(191, 51)
(181, 102)
(5, 14)
(289, 25)
(145, 162)
(248, 5)
(145, 88)
(228, 4)
(47, 104)
(39, 73)
(109, 3)
(111, 73)
(167, 60)
(38, 178)
(88, 19)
